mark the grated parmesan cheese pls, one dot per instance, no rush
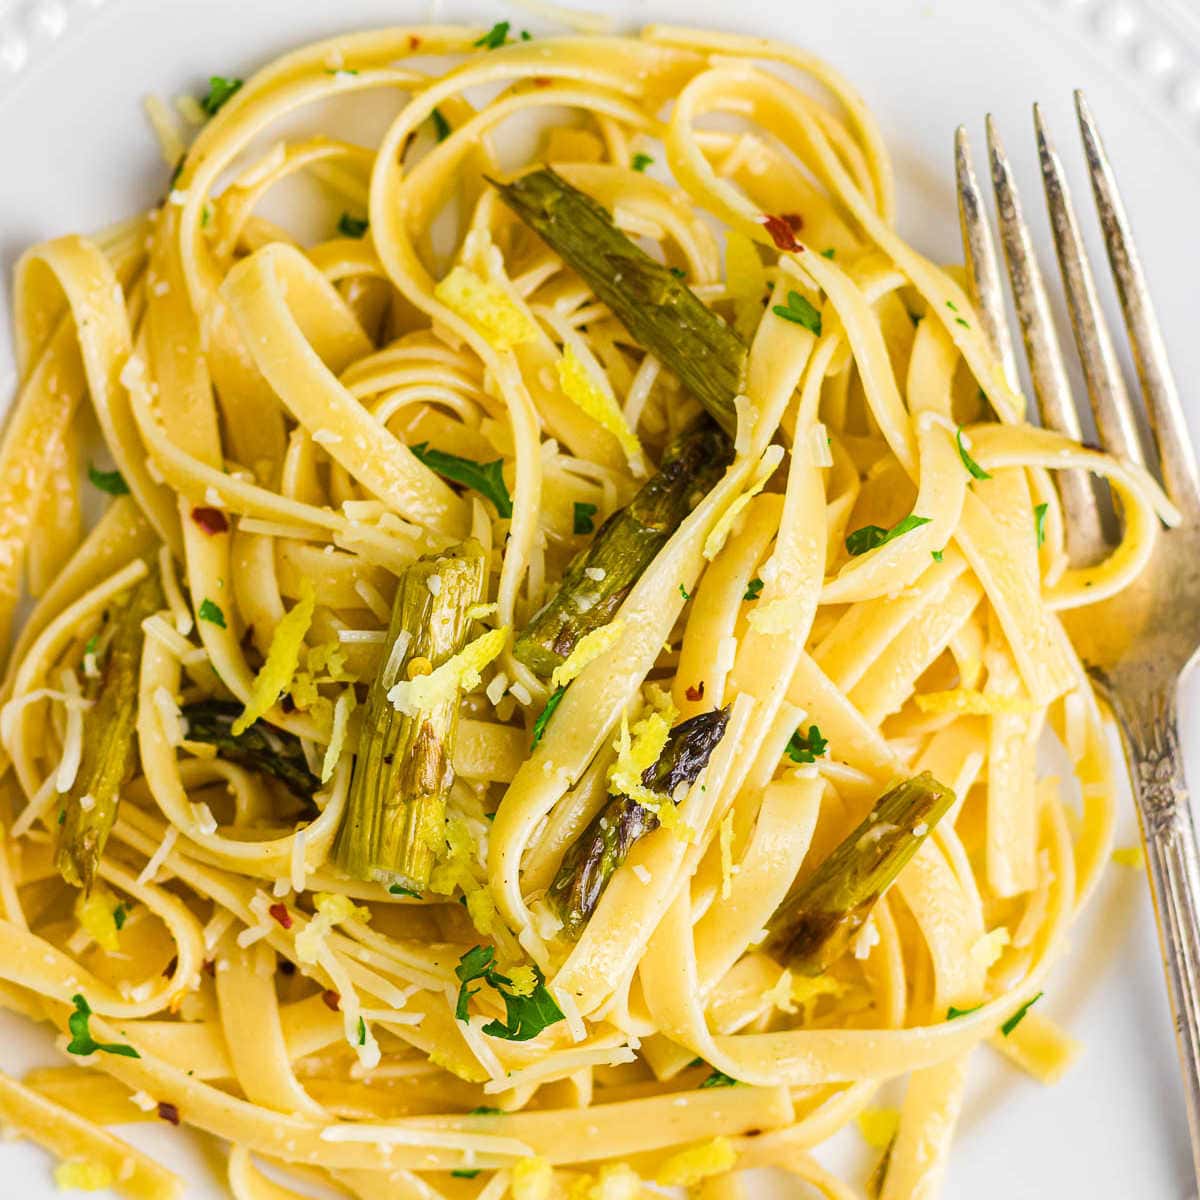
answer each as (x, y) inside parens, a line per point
(642, 875)
(156, 860)
(342, 708)
(458, 673)
(206, 823)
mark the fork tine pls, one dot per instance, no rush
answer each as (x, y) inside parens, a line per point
(1046, 368)
(1175, 450)
(979, 251)
(1106, 386)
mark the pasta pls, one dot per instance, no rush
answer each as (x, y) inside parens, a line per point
(359, 811)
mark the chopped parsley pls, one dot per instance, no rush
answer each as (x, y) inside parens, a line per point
(524, 1016)
(641, 161)
(584, 512)
(800, 312)
(120, 913)
(465, 1174)
(485, 478)
(937, 555)
(684, 592)
(975, 469)
(484, 1111)
(112, 482)
(351, 227)
(362, 1032)
(220, 92)
(828, 252)
(678, 272)
(543, 718)
(495, 37)
(952, 1013)
(212, 613)
(963, 322)
(397, 889)
(719, 1079)
(806, 747)
(441, 127)
(871, 536)
(1019, 1015)
(1039, 518)
(753, 589)
(82, 1041)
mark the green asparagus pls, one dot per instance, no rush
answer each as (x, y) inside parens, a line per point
(604, 845)
(657, 308)
(109, 750)
(600, 577)
(262, 747)
(819, 918)
(393, 827)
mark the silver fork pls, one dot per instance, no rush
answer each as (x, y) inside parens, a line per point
(1158, 618)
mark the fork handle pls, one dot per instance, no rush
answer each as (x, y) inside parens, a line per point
(1150, 733)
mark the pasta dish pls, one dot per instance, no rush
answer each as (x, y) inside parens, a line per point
(526, 675)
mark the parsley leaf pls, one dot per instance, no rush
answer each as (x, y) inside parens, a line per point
(952, 1013)
(112, 482)
(495, 37)
(543, 718)
(641, 162)
(720, 1079)
(800, 312)
(806, 748)
(120, 913)
(397, 889)
(82, 1041)
(220, 91)
(753, 589)
(465, 1174)
(684, 592)
(1039, 516)
(584, 512)
(1019, 1015)
(975, 469)
(678, 272)
(829, 252)
(475, 964)
(484, 1111)
(525, 1016)
(937, 555)
(351, 227)
(362, 1032)
(441, 127)
(871, 536)
(485, 478)
(212, 613)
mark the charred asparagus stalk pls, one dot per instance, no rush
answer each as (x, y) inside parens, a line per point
(109, 751)
(262, 748)
(393, 825)
(623, 548)
(709, 358)
(603, 846)
(657, 307)
(816, 922)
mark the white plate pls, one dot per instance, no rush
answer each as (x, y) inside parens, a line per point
(75, 154)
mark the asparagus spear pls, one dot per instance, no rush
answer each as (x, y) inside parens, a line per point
(262, 748)
(623, 548)
(816, 922)
(393, 825)
(657, 307)
(603, 846)
(109, 752)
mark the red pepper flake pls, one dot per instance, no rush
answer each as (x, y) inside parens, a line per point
(413, 41)
(210, 968)
(542, 81)
(781, 232)
(211, 520)
(168, 1112)
(795, 221)
(281, 914)
(332, 1000)
(695, 693)
(287, 703)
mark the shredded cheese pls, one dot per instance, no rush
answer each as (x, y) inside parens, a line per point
(597, 400)
(460, 672)
(337, 738)
(488, 307)
(638, 749)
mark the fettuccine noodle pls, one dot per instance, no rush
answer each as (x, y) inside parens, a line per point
(257, 396)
